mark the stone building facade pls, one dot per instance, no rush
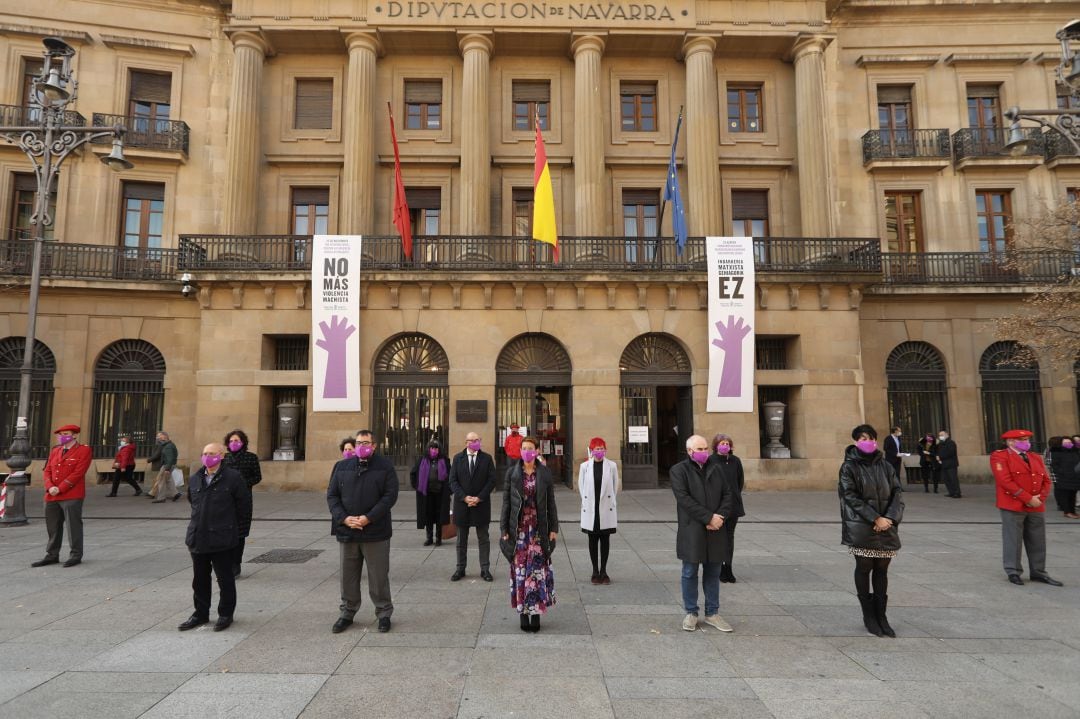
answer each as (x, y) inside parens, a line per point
(861, 143)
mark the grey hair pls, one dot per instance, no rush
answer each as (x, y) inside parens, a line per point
(691, 438)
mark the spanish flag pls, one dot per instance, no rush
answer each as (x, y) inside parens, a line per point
(543, 226)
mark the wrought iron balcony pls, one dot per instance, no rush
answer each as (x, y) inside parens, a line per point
(905, 145)
(989, 142)
(20, 116)
(968, 268)
(1057, 146)
(63, 260)
(145, 132)
(292, 253)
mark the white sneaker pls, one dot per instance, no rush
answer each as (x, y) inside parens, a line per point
(689, 623)
(717, 621)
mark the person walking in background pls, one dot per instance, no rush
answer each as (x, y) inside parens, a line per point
(704, 498)
(598, 483)
(64, 477)
(871, 507)
(362, 491)
(1063, 471)
(894, 452)
(247, 464)
(928, 464)
(164, 458)
(124, 466)
(529, 526)
(731, 470)
(220, 513)
(472, 480)
(948, 463)
(430, 477)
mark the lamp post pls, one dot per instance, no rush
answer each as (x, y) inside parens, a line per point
(1064, 120)
(44, 134)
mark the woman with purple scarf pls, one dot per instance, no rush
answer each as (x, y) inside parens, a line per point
(429, 479)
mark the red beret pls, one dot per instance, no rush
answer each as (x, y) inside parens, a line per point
(73, 428)
(515, 425)
(1016, 434)
(596, 442)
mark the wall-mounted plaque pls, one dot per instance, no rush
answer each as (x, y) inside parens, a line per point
(471, 410)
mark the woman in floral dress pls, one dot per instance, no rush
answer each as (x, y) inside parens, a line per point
(530, 516)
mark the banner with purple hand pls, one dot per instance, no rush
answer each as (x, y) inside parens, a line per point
(335, 319)
(730, 264)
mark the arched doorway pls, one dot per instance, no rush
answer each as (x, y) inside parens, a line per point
(410, 398)
(129, 396)
(918, 391)
(657, 406)
(1011, 394)
(41, 394)
(532, 389)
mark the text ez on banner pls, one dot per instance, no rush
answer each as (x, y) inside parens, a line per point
(730, 264)
(335, 320)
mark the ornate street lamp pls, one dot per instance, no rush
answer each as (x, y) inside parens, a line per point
(1066, 121)
(44, 133)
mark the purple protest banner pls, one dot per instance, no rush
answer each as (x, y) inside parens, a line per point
(730, 266)
(335, 319)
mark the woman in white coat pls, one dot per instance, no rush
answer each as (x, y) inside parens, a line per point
(598, 483)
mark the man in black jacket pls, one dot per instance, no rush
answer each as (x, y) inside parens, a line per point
(362, 490)
(220, 515)
(472, 479)
(894, 454)
(948, 462)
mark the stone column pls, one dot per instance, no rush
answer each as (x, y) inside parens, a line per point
(590, 212)
(475, 186)
(812, 154)
(242, 147)
(357, 212)
(702, 138)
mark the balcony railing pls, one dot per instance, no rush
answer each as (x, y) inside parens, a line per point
(984, 142)
(1057, 145)
(292, 253)
(966, 268)
(71, 261)
(905, 144)
(146, 132)
(20, 116)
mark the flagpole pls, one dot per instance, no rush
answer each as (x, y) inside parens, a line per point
(663, 201)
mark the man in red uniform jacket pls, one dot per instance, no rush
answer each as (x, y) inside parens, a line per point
(1022, 487)
(512, 445)
(65, 489)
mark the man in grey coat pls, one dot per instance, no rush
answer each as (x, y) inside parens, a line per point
(703, 498)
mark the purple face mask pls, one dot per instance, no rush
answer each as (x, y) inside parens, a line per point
(64, 438)
(599, 453)
(528, 456)
(474, 445)
(364, 451)
(211, 460)
(867, 446)
(235, 445)
(1067, 444)
(700, 457)
(433, 452)
(723, 448)
(1022, 445)
(348, 453)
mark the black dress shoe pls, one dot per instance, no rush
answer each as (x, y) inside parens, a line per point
(1015, 579)
(341, 625)
(138, 493)
(428, 542)
(111, 495)
(486, 576)
(72, 562)
(177, 496)
(193, 621)
(1046, 579)
(457, 575)
(222, 623)
(384, 625)
(45, 562)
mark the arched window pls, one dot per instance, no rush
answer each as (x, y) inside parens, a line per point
(657, 402)
(129, 396)
(1011, 394)
(411, 402)
(918, 391)
(41, 394)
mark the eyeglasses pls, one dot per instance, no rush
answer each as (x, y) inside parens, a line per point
(363, 443)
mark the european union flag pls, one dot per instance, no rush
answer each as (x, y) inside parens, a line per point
(672, 195)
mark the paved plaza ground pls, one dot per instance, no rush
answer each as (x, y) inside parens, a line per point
(100, 639)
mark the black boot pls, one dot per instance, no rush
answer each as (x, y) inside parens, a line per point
(869, 614)
(881, 601)
(725, 574)
(926, 487)
(534, 623)
(935, 487)
(525, 622)
(428, 542)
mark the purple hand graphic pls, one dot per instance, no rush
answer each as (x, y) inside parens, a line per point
(336, 384)
(731, 340)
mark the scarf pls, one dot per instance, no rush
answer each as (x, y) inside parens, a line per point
(425, 469)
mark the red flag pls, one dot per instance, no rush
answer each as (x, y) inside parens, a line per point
(401, 207)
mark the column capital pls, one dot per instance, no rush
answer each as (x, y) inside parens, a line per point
(808, 45)
(695, 44)
(587, 41)
(251, 37)
(473, 40)
(362, 40)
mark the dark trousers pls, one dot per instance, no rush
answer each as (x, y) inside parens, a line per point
(1020, 531)
(930, 474)
(57, 514)
(729, 530)
(432, 506)
(353, 556)
(952, 482)
(898, 466)
(221, 565)
(463, 547)
(1066, 499)
(238, 555)
(127, 474)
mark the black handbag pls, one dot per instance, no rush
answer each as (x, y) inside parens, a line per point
(506, 546)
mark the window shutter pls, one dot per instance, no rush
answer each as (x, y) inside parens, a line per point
(983, 91)
(311, 195)
(531, 91)
(523, 194)
(144, 191)
(423, 198)
(641, 197)
(151, 87)
(749, 204)
(423, 91)
(25, 182)
(314, 104)
(894, 94)
(638, 88)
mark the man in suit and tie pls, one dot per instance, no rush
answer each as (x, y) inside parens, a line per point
(892, 452)
(472, 479)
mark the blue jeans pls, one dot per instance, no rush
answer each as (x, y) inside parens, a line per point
(710, 584)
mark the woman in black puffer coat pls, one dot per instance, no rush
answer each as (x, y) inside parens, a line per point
(247, 464)
(871, 507)
(1063, 465)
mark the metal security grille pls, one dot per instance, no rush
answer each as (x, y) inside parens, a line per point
(1011, 395)
(411, 397)
(291, 352)
(129, 396)
(286, 556)
(638, 411)
(917, 391)
(41, 394)
(770, 352)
